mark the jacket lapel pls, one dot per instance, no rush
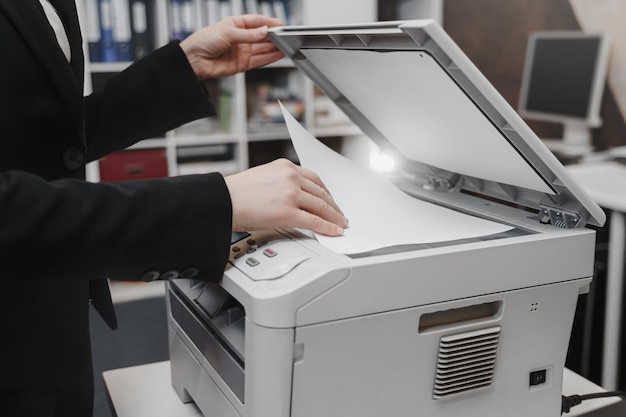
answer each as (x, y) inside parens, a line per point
(69, 16)
(67, 78)
(39, 37)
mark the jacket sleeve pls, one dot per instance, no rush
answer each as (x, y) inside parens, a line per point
(71, 229)
(155, 94)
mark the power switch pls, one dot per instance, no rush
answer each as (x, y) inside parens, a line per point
(538, 377)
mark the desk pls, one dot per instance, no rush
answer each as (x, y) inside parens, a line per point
(146, 391)
(605, 182)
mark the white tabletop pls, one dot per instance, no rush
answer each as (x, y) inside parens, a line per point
(604, 181)
(576, 384)
(146, 390)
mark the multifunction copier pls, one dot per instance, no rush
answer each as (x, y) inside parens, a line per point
(464, 328)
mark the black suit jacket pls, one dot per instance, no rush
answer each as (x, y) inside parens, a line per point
(58, 233)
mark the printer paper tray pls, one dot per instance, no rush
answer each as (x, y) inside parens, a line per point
(212, 345)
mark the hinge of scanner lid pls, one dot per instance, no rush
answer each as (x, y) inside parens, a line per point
(442, 183)
(558, 217)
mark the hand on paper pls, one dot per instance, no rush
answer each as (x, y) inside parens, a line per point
(235, 44)
(283, 195)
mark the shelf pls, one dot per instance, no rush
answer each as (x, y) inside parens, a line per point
(249, 122)
(150, 143)
(268, 131)
(223, 167)
(204, 139)
(324, 132)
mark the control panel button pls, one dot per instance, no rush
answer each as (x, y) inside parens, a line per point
(252, 261)
(281, 255)
(269, 252)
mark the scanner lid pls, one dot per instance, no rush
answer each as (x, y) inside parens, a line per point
(414, 92)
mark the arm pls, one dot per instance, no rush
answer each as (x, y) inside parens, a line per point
(162, 91)
(282, 194)
(233, 45)
(74, 229)
(155, 94)
(71, 229)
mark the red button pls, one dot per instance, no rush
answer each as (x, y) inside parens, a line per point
(270, 253)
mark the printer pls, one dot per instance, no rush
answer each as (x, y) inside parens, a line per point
(460, 328)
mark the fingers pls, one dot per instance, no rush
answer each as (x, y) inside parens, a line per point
(321, 193)
(318, 225)
(264, 47)
(256, 20)
(244, 35)
(311, 176)
(319, 215)
(265, 59)
(324, 215)
(282, 194)
(263, 53)
(251, 28)
(235, 44)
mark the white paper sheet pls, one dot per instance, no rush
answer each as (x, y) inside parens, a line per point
(380, 214)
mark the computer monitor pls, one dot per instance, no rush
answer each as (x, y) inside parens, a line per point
(563, 81)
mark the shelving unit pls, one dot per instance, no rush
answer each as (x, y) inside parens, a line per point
(246, 103)
(252, 143)
(249, 129)
(411, 9)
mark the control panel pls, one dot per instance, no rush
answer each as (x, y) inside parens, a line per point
(267, 255)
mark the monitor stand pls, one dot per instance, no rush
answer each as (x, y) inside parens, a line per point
(576, 140)
(577, 135)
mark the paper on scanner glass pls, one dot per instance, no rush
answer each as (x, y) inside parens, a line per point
(453, 319)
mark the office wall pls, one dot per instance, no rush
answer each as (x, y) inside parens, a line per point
(609, 16)
(494, 33)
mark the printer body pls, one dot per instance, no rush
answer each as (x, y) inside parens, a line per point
(471, 327)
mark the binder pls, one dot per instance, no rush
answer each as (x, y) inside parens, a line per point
(212, 12)
(236, 7)
(142, 25)
(226, 9)
(120, 19)
(252, 7)
(175, 19)
(93, 31)
(181, 17)
(266, 8)
(187, 17)
(198, 14)
(108, 47)
(280, 10)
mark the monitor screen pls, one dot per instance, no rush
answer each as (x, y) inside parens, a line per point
(564, 78)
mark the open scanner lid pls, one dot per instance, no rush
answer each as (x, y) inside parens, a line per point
(412, 90)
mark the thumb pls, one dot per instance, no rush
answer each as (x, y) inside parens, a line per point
(248, 35)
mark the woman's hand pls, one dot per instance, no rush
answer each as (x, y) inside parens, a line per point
(235, 44)
(283, 195)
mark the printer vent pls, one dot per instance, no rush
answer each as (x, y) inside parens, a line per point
(466, 362)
